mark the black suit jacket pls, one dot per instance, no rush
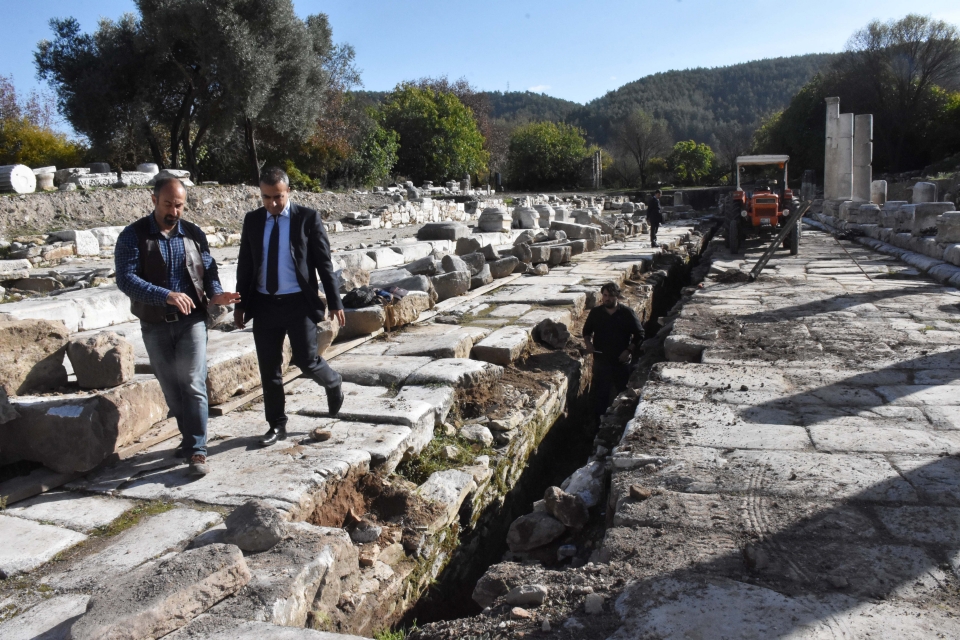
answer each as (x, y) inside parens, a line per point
(311, 254)
(654, 212)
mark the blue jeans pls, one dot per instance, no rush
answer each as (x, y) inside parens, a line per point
(178, 357)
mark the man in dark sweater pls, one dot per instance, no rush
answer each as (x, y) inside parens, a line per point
(654, 217)
(613, 334)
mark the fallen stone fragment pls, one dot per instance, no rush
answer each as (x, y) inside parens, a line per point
(639, 493)
(361, 322)
(518, 613)
(369, 555)
(477, 433)
(528, 595)
(321, 434)
(161, 598)
(254, 526)
(101, 361)
(533, 530)
(467, 245)
(553, 334)
(483, 277)
(365, 532)
(593, 603)
(503, 267)
(539, 270)
(567, 508)
(474, 261)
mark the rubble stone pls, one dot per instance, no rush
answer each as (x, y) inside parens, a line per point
(567, 508)
(450, 285)
(533, 530)
(254, 526)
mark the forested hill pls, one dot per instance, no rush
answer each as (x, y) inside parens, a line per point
(695, 101)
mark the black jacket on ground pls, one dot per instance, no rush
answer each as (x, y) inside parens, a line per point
(654, 212)
(311, 254)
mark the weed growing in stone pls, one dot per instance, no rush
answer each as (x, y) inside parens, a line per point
(435, 458)
(132, 517)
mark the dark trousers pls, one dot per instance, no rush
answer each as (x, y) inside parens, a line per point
(276, 319)
(654, 226)
(609, 379)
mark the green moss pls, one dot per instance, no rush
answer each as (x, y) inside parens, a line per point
(132, 517)
(433, 457)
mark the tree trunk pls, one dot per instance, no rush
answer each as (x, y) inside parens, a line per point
(249, 138)
(154, 145)
(191, 157)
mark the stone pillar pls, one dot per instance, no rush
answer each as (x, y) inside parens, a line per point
(878, 192)
(845, 157)
(862, 157)
(924, 192)
(678, 198)
(830, 159)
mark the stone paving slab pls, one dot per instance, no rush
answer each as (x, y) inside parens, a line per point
(71, 510)
(160, 534)
(503, 346)
(49, 620)
(381, 371)
(455, 372)
(28, 544)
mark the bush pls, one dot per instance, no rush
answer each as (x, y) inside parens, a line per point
(546, 154)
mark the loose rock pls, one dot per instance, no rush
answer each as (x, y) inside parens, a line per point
(533, 530)
(567, 508)
(102, 361)
(528, 595)
(254, 526)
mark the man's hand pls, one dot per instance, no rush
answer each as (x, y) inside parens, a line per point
(181, 301)
(588, 345)
(625, 356)
(340, 316)
(225, 298)
(238, 319)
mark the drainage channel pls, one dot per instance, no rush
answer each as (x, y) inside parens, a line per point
(572, 440)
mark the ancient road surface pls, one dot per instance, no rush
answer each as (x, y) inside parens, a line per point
(792, 472)
(805, 473)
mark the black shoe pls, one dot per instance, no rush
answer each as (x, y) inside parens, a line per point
(180, 452)
(335, 400)
(273, 435)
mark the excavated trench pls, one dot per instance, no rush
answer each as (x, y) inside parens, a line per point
(566, 446)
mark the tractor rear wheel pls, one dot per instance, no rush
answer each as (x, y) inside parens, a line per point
(733, 236)
(793, 240)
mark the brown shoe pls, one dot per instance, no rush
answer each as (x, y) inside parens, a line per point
(198, 465)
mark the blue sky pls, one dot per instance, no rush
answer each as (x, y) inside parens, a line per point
(572, 50)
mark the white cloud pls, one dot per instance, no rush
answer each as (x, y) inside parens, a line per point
(613, 77)
(540, 88)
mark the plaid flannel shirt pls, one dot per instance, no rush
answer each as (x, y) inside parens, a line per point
(127, 259)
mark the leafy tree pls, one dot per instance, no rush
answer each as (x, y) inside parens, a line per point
(546, 154)
(197, 71)
(903, 73)
(691, 161)
(641, 137)
(26, 131)
(439, 137)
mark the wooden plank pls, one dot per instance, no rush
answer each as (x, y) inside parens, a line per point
(39, 481)
(160, 432)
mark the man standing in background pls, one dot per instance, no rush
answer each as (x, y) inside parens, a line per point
(282, 248)
(164, 266)
(654, 217)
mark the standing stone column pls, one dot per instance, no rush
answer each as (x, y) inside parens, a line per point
(878, 192)
(862, 157)
(845, 157)
(831, 159)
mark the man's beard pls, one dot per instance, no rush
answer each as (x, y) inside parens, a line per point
(611, 304)
(170, 220)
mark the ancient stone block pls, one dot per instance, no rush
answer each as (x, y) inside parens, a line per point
(948, 228)
(503, 267)
(450, 285)
(925, 217)
(533, 530)
(407, 309)
(361, 322)
(494, 220)
(483, 277)
(31, 356)
(101, 361)
(155, 600)
(467, 245)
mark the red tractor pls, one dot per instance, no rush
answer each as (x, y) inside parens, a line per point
(761, 206)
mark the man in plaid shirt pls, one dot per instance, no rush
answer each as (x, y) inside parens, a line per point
(164, 266)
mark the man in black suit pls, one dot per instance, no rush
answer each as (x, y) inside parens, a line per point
(282, 247)
(654, 217)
